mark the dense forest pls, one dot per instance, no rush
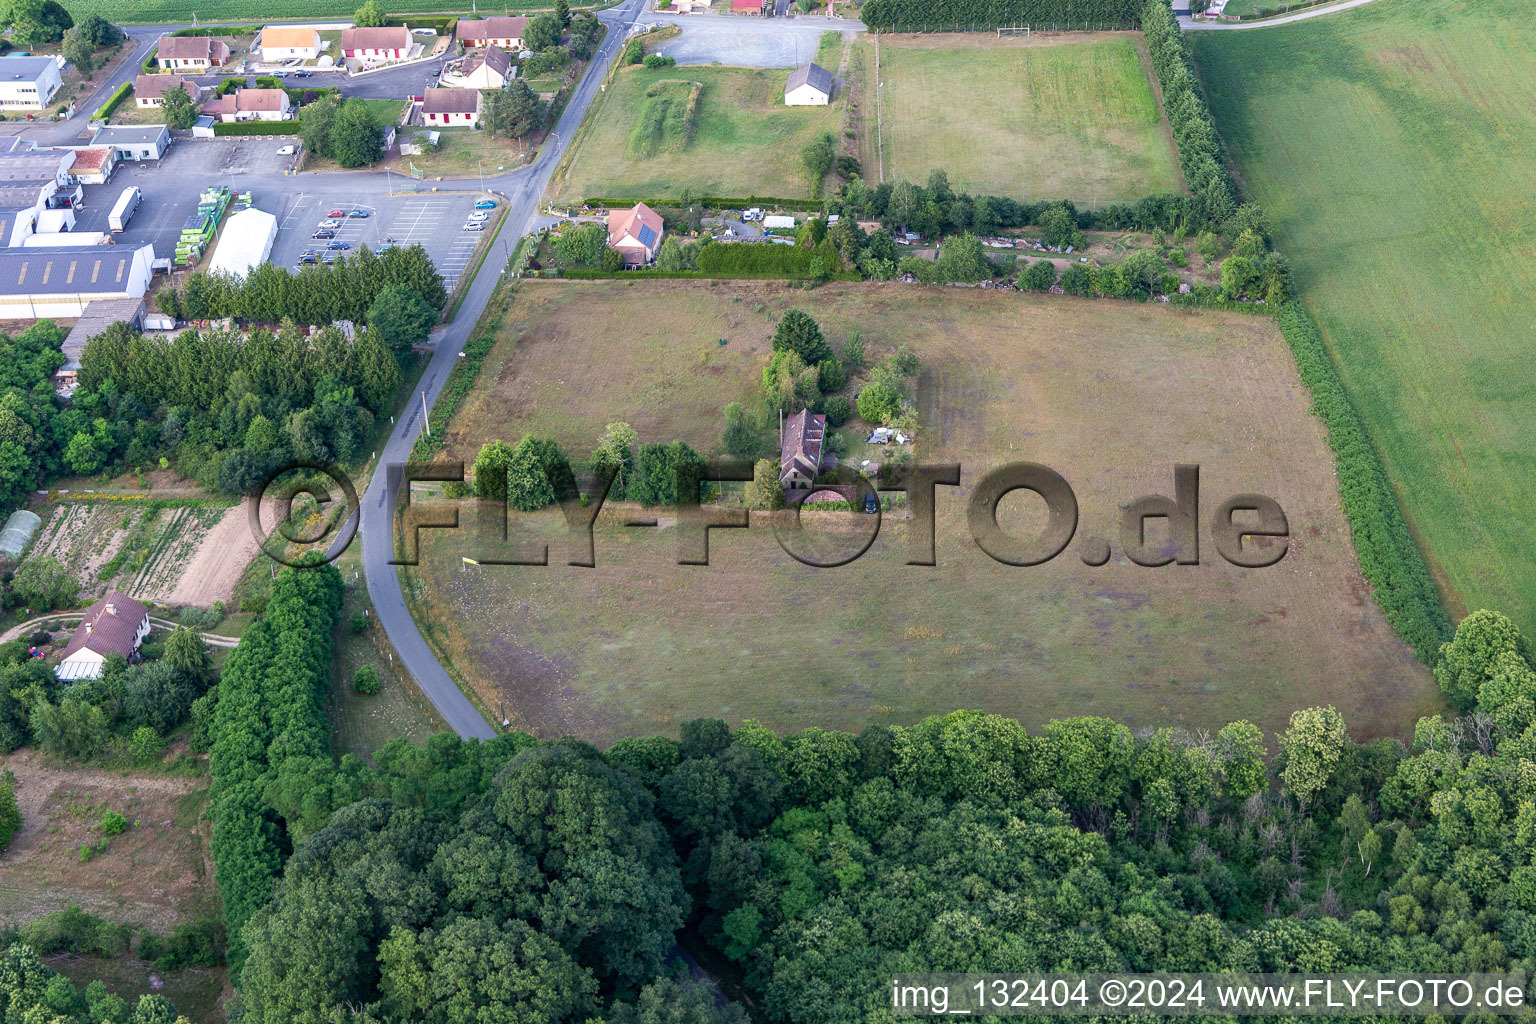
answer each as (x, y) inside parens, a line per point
(549, 881)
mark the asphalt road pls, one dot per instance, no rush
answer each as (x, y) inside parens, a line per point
(1315, 12)
(522, 190)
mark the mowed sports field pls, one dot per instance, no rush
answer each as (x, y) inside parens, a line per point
(1394, 147)
(1067, 116)
(1109, 394)
(742, 141)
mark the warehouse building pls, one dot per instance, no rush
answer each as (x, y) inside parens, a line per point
(37, 283)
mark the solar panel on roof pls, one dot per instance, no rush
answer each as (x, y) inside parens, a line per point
(647, 235)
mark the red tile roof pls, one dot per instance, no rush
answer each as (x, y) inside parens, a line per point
(396, 37)
(91, 159)
(110, 626)
(499, 27)
(191, 48)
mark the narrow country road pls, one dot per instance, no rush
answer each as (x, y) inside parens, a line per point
(1187, 23)
(522, 189)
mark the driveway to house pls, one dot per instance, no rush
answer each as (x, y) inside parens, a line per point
(747, 42)
(1189, 23)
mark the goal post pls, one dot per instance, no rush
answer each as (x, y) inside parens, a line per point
(1015, 31)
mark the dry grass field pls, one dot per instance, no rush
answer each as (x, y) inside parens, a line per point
(1054, 116)
(157, 875)
(744, 140)
(1109, 394)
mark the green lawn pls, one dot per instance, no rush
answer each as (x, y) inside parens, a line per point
(744, 141)
(1068, 116)
(1394, 146)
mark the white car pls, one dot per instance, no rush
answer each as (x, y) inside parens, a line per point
(479, 215)
(475, 225)
(330, 223)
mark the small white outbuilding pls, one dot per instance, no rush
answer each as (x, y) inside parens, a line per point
(809, 85)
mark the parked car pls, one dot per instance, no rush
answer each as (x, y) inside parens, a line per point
(358, 213)
(285, 151)
(478, 217)
(329, 257)
(337, 213)
(323, 234)
(302, 74)
(381, 250)
(338, 245)
(871, 503)
(475, 225)
(308, 257)
(486, 204)
(279, 74)
(331, 222)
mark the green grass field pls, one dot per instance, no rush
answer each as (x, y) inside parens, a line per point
(745, 141)
(1394, 146)
(640, 643)
(1063, 117)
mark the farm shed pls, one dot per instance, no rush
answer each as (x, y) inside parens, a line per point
(778, 223)
(19, 530)
(809, 85)
(245, 243)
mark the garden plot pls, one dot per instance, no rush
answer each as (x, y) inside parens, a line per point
(168, 554)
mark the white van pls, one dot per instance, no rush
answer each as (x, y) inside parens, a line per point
(286, 151)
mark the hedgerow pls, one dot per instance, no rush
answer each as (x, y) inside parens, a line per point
(984, 15)
(1194, 133)
(113, 102)
(271, 709)
(256, 128)
(1389, 559)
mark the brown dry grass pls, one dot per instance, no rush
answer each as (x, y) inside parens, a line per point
(1110, 394)
(157, 874)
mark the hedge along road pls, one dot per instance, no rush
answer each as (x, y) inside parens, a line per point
(521, 189)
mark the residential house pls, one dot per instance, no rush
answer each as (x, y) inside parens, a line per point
(763, 7)
(116, 624)
(191, 53)
(28, 83)
(448, 108)
(636, 233)
(134, 143)
(800, 453)
(810, 85)
(490, 70)
(284, 42)
(372, 45)
(93, 165)
(251, 105)
(504, 32)
(150, 90)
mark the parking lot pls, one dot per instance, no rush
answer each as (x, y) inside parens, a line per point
(433, 221)
(171, 186)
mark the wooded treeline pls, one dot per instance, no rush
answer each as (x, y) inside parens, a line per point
(459, 881)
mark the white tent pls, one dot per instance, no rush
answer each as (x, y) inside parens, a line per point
(245, 242)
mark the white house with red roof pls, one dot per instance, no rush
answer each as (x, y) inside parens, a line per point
(116, 624)
(636, 233)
